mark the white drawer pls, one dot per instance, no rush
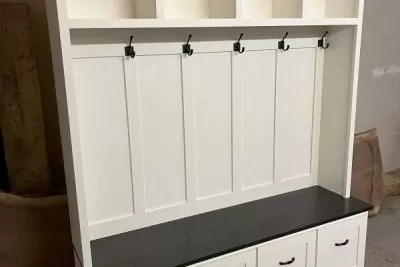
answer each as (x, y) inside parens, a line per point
(295, 251)
(241, 259)
(342, 244)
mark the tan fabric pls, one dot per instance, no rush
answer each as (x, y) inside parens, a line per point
(35, 232)
(367, 182)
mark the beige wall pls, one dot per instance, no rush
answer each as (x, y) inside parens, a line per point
(379, 89)
(46, 79)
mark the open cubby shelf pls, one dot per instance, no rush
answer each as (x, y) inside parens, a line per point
(211, 9)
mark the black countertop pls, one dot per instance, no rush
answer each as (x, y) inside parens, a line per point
(201, 237)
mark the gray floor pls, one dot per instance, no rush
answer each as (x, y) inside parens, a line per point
(383, 241)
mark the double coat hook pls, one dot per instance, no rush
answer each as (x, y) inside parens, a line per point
(237, 47)
(187, 48)
(321, 42)
(130, 50)
(281, 44)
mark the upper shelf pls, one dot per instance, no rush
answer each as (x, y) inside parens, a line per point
(205, 23)
(209, 13)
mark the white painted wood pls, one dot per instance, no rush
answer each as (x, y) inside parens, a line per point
(208, 92)
(67, 113)
(261, 52)
(183, 9)
(335, 136)
(350, 255)
(301, 248)
(146, 9)
(104, 139)
(173, 48)
(353, 101)
(294, 113)
(314, 8)
(206, 23)
(154, 85)
(319, 76)
(342, 8)
(116, 9)
(254, 115)
(287, 8)
(243, 259)
(251, 9)
(330, 8)
(222, 9)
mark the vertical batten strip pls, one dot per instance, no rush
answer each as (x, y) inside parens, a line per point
(189, 125)
(237, 111)
(135, 134)
(319, 74)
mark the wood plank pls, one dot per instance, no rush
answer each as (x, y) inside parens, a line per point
(21, 117)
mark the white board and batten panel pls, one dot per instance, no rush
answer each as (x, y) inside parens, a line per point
(254, 118)
(154, 97)
(208, 115)
(104, 136)
(181, 135)
(294, 114)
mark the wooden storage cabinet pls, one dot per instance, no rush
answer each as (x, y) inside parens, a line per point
(296, 251)
(342, 243)
(167, 135)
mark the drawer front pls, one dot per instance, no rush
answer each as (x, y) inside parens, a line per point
(244, 259)
(296, 251)
(342, 243)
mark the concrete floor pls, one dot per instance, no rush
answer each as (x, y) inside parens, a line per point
(383, 241)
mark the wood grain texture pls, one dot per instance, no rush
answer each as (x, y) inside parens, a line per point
(35, 232)
(21, 117)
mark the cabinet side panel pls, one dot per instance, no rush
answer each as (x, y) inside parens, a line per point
(294, 113)
(103, 129)
(212, 123)
(335, 110)
(62, 65)
(254, 119)
(157, 130)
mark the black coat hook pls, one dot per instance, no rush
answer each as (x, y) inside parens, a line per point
(237, 47)
(130, 50)
(187, 48)
(281, 44)
(321, 42)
